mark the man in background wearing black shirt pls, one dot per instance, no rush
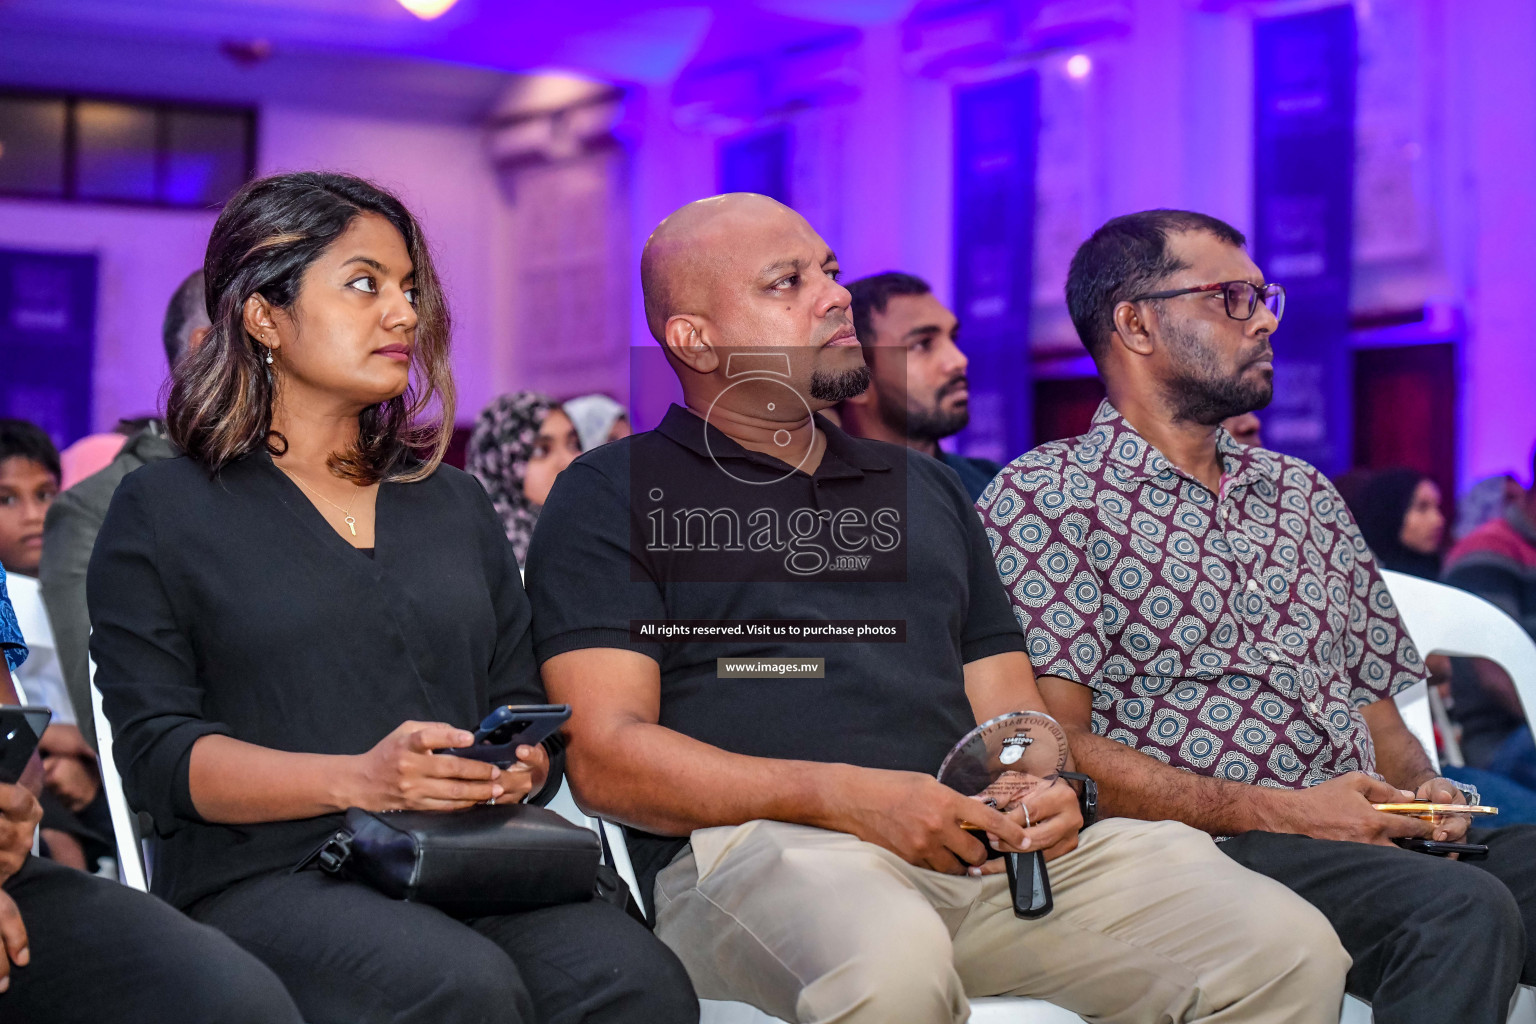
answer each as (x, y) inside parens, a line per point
(784, 816)
(919, 393)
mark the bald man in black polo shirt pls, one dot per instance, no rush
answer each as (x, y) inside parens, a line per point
(772, 632)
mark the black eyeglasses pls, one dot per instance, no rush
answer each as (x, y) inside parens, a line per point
(1241, 297)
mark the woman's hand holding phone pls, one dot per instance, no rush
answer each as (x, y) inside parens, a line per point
(402, 773)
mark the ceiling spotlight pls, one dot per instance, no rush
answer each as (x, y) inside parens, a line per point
(426, 10)
(1078, 65)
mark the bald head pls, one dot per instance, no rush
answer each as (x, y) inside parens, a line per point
(692, 253)
(742, 272)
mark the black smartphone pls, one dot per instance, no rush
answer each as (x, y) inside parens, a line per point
(20, 730)
(1468, 851)
(511, 726)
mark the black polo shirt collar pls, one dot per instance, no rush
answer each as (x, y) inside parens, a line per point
(846, 456)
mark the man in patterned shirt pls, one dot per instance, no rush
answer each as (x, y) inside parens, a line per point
(1207, 622)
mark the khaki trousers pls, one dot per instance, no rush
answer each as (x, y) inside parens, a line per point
(1152, 923)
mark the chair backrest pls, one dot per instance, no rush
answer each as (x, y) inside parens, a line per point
(32, 619)
(125, 825)
(31, 614)
(1445, 620)
(21, 695)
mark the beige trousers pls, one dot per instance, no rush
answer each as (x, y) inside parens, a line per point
(1152, 923)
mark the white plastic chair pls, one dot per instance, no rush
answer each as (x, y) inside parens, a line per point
(41, 670)
(125, 824)
(1445, 620)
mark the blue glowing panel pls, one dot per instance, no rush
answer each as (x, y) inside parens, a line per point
(995, 129)
(1304, 170)
(48, 340)
(757, 163)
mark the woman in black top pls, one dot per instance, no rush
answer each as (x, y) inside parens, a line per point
(292, 616)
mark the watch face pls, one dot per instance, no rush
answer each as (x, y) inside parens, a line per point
(1004, 758)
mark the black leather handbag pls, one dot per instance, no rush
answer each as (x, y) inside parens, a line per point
(481, 861)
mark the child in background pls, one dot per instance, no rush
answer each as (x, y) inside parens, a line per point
(75, 822)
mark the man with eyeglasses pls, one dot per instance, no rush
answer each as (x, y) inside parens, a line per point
(1208, 625)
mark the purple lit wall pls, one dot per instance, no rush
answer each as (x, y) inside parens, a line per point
(1494, 127)
(439, 169)
(1161, 115)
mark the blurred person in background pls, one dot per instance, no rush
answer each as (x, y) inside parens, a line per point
(1245, 428)
(598, 419)
(77, 513)
(520, 444)
(29, 482)
(1497, 562)
(1398, 512)
(76, 825)
(1485, 501)
(918, 393)
(91, 454)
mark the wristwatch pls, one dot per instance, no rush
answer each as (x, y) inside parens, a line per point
(1087, 796)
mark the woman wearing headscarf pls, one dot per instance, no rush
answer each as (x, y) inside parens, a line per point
(520, 444)
(598, 419)
(1399, 515)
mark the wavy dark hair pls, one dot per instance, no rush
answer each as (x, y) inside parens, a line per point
(272, 231)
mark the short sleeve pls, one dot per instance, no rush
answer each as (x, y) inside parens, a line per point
(11, 643)
(1055, 591)
(1380, 657)
(145, 666)
(585, 586)
(990, 627)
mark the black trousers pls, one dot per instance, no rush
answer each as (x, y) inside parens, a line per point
(102, 952)
(1433, 940)
(351, 955)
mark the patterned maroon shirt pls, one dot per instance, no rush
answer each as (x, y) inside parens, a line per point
(1234, 635)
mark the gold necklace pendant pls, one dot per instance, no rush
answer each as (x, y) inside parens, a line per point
(346, 513)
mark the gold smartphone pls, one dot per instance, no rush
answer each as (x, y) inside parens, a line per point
(1428, 808)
